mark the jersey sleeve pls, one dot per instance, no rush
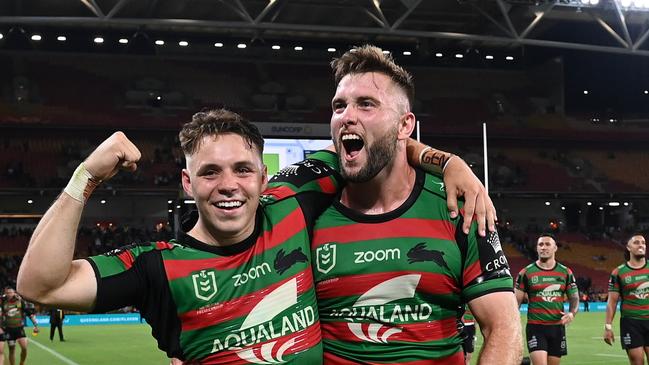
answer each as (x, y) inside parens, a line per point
(485, 266)
(319, 173)
(614, 281)
(521, 280)
(571, 284)
(29, 308)
(124, 275)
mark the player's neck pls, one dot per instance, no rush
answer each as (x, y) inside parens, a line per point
(546, 263)
(637, 263)
(213, 237)
(387, 191)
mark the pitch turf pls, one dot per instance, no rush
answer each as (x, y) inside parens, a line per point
(133, 344)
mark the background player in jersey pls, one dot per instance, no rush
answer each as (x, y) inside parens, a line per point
(15, 311)
(629, 283)
(198, 292)
(468, 332)
(546, 282)
(392, 266)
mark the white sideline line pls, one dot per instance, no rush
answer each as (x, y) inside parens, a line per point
(611, 355)
(56, 354)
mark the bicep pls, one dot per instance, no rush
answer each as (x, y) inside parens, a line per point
(79, 290)
(499, 308)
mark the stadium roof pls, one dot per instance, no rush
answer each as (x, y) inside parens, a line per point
(590, 25)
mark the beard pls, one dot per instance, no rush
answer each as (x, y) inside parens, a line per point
(379, 154)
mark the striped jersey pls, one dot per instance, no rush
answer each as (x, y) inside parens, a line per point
(633, 286)
(15, 311)
(546, 289)
(391, 287)
(249, 303)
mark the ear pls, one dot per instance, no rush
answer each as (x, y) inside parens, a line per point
(264, 178)
(406, 125)
(187, 183)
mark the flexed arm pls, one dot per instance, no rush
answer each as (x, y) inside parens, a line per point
(48, 275)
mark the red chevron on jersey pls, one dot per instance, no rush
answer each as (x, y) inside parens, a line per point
(358, 284)
(456, 358)
(239, 307)
(378, 333)
(127, 258)
(279, 192)
(397, 228)
(471, 272)
(285, 229)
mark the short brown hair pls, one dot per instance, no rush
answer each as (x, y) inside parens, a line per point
(370, 58)
(214, 122)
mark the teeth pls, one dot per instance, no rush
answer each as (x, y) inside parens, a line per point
(347, 137)
(232, 204)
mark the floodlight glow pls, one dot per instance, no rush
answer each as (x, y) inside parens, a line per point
(613, 204)
(183, 43)
(439, 55)
(489, 57)
(98, 40)
(36, 37)
(509, 58)
(585, 92)
(298, 48)
(30, 201)
(384, 51)
(459, 55)
(241, 45)
(160, 42)
(547, 203)
(407, 53)
(1, 36)
(218, 44)
(61, 38)
(331, 49)
(123, 41)
(276, 47)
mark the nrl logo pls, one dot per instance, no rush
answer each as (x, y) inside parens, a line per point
(535, 279)
(204, 284)
(325, 257)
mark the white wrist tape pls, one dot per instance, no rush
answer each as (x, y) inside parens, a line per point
(446, 163)
(81, 184)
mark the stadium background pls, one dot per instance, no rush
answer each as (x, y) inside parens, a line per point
(563, 87)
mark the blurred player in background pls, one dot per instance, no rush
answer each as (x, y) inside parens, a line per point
(629, 283)
(545, 283)
(468, 332)
(15, 310)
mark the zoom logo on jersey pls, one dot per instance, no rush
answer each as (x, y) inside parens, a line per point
(551, 293)
(259, 328)
(325, 257)
(363, 257)
(419, 253)
(373, 305)
(642, 291)
(204, 284)
(284, 262)
(252, 274)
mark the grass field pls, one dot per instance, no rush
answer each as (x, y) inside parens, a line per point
(133, 344)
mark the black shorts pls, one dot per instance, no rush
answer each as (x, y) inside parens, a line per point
(634, 333)
(550, 338)
(468, 333)
(13, 333)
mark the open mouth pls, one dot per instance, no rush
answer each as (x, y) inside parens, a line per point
(352, 143)
(229, 205)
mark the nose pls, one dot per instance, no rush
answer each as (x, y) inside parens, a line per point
(227, 183)
(348, 116)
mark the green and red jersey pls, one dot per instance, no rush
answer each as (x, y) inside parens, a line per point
(390, 286)
(14, 311)
(252, 302)
(546, 290)
(633, 286)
